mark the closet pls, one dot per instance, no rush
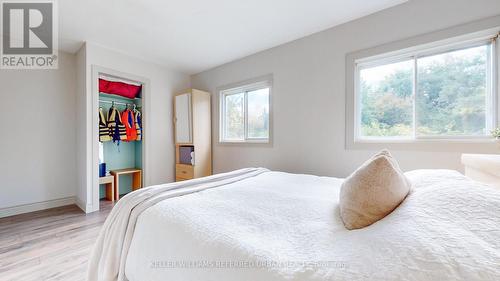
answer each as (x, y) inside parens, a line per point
(193, 146)
(121, 136)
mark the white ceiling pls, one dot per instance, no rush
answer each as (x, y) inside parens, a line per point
(196, 35)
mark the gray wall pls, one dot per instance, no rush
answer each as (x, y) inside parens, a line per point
(309, 91)
(38, 140)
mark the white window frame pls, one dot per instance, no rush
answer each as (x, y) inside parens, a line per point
(425, 50)
(244, 87)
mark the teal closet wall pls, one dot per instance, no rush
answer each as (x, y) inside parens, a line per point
(124, 155)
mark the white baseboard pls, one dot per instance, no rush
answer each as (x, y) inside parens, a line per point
(21, 209)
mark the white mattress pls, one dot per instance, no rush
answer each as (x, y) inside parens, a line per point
(279, 226)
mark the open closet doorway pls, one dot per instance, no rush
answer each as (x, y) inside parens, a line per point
(119, 135)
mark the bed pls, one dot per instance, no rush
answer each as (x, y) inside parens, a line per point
(256, 224)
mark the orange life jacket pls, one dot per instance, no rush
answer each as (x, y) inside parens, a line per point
(138, 124)
(128, 121)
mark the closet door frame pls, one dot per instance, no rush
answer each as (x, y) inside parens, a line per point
(93, 173)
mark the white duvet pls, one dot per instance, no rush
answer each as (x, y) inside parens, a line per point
(279, 226)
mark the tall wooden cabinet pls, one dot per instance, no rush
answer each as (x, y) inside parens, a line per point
(193, 135)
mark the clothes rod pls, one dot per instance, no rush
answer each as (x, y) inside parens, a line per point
(117, 103)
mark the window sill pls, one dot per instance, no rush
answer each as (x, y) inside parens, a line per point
(246, 142)
(427, 140)
(432, 145)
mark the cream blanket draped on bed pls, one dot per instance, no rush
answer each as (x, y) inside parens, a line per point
(108, 258)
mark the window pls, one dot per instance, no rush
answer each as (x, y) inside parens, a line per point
(443, 91)
(244, 113)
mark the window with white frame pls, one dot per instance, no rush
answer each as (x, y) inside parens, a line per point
(437, 91)
(244, 113)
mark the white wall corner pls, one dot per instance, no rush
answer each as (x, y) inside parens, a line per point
(87, 208)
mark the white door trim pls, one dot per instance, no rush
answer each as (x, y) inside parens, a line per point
(93, 112)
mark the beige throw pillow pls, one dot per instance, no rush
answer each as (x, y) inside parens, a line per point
(373, 191)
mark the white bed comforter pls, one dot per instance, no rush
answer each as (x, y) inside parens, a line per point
(279, 226)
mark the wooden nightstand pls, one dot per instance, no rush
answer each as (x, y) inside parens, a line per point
(484, 168)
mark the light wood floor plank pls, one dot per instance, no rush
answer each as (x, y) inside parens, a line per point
(50, 245)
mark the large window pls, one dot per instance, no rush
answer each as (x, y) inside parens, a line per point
(244, 113)
(443, 91)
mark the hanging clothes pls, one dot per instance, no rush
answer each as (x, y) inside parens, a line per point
(138, 124)
(129, 122)
(104, 132)
(115, 125)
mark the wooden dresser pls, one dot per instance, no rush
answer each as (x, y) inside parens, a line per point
(484, 168)
(193, 133)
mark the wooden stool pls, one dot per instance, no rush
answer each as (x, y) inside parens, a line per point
(136, 179)
(109, 181)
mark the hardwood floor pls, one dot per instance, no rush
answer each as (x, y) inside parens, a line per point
(49, 245)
